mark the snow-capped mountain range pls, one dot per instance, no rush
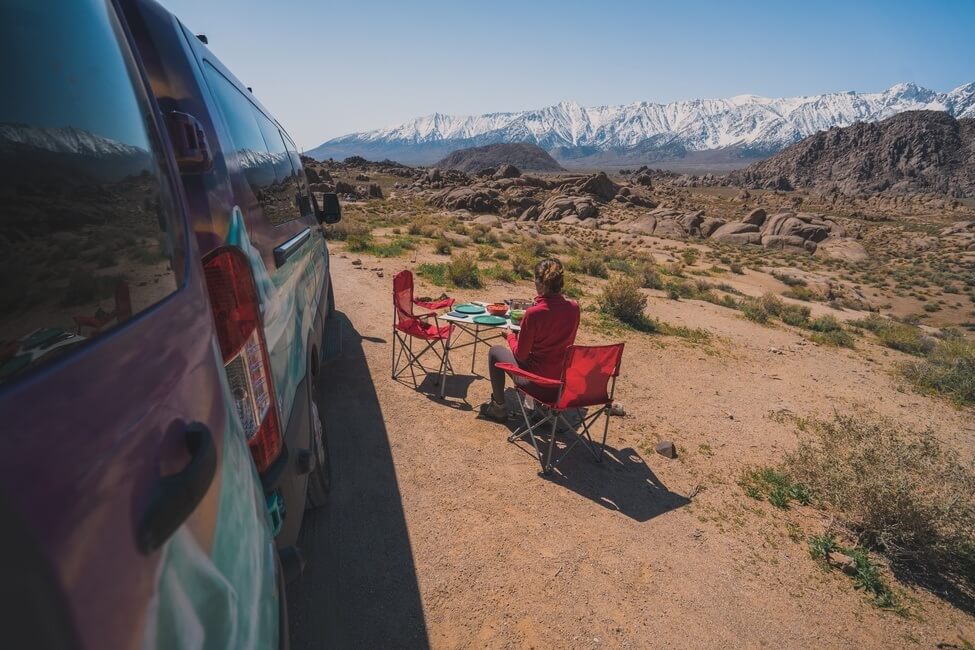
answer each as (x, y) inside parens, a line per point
(741, 126)
(68, 139)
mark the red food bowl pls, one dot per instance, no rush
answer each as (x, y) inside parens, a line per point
(497, 309)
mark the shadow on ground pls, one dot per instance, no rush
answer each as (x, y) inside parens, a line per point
(621, 481)
(359, 588)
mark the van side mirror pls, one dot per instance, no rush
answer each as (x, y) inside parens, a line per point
(190, 147)
(331, 211)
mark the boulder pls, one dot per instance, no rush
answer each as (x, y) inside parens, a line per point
(644, 225)
(489, 220)
(571, 220)
(456, 238)
(559, 206)
(590, 223)
(666, 448)
(842, 248)
(599, 185)
(374, 191)
(341, 187)
(737, 232)
(786, 242)
(691, 222)
(643, 179)
(434, 175)
(709, 225)
(671, 229)
(473, 198)
(530, 214)
(362, 178)
(507, 171)
(756, 217)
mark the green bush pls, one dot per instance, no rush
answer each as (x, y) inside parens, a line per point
(834, 338)
(589, 263)
(895, 335)
(462, 272)
(796, 315)
(501, 273)
(523, 263)
(358, 242)
(650, 275)
(442, 245)
(894, 489)
(775, 485)
(949, 369)
(623, 299)
(825, 324)
(754, 312)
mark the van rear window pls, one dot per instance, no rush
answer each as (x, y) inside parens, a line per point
(87, 216)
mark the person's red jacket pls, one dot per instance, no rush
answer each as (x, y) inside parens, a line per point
(547, 330)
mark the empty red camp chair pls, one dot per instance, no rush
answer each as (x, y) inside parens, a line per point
(101, 318)
(588, 380)
(408, 325)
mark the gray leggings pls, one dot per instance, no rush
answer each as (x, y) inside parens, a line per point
(503, 354)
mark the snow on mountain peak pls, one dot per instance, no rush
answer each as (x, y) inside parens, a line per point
(748, 121)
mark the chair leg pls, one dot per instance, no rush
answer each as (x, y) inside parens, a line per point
(547, 465)
(393, 371)
(602, 446)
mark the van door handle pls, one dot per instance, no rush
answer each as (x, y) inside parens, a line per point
(175, 497)
(290, 247)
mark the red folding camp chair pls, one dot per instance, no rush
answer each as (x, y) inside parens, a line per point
(588, 380)
(408, 325)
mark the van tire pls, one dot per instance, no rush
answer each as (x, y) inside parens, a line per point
(320, 478)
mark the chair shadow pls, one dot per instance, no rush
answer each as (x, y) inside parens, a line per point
(622, 481)
(359, 588)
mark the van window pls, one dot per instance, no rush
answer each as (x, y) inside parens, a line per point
(87, 213)
(304, 195)
(260, 150)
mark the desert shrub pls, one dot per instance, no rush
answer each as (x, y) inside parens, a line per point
(865, 574)
(358, 242)
(736, 268)
(788, 280)
(772, 304)
(775, 485)
(796, 315)
(801, 293)
(650, 275)
(899, 336)
(346, 228)
(623, 299)
(501, 273)
(825, 324)
(834, 338)
(393, 248)
(435, 273)
(689, 255)
(462, 272)
(523, 263)
(589, 263)
(501, 255)
(948, 369)
(753, 311)
(893, 489)
(677, 289)
(442, 245)
(414, 228)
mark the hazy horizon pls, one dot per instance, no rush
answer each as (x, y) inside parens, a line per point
(330, 70)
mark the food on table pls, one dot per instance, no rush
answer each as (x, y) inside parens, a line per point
(516, 315)
(497, 309)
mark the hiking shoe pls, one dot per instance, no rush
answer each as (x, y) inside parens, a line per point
(494, 411)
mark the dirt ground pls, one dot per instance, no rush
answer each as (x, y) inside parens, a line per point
(440, 533)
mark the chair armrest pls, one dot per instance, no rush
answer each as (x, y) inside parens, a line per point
(434, 304)
(538, 380)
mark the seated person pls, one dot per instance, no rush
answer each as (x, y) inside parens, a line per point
(547, 330)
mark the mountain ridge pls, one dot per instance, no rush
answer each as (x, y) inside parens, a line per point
(911, 152)
(744, 125)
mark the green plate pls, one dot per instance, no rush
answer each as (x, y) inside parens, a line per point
(490, 320)
(469, 309)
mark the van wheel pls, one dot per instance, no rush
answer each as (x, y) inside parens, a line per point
(320, 479)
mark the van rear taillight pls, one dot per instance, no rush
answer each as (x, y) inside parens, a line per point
(236, 312)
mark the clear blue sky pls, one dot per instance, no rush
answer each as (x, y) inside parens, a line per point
(330, 68)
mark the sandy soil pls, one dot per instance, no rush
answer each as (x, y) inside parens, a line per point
(441, 533)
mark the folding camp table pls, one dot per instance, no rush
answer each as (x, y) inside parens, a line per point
(478, 333)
